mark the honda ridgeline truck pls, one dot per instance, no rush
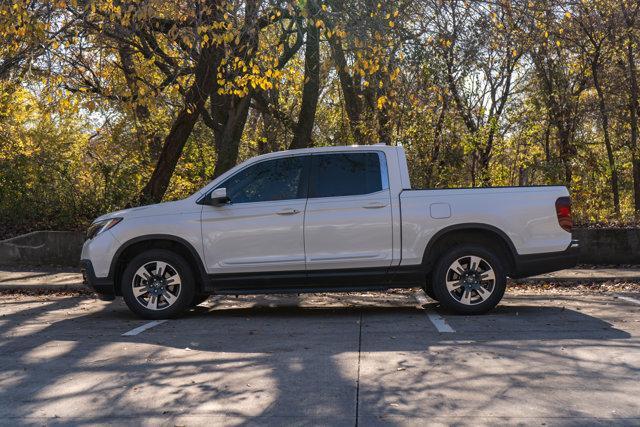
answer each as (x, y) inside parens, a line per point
(324, 220)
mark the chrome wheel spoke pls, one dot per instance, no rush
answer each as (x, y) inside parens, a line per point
(483, 293)
(161, 268)
(169, 297)
(138, 291)
(174, 280)
(488, 275)
(141, 276)
(453, 285)
(474, 263)
(466, 297)
(456, 267)
(152, 303)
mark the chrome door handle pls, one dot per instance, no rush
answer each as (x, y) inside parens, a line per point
(288, 212)
(375, 205)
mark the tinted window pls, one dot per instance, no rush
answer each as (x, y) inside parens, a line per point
(278, 179)
(345, 174)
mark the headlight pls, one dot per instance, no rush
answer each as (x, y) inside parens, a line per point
(100, 226)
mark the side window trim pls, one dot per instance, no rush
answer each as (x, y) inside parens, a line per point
(384, 173)
(304, 181)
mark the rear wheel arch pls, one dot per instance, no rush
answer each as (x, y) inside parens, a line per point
(480, 234)
(138, 245)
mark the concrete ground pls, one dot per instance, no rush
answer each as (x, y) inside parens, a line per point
(562, 357)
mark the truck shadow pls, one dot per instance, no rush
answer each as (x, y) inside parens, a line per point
(281, 360)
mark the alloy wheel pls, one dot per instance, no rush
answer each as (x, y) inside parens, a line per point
(156, 285)
(470, 280)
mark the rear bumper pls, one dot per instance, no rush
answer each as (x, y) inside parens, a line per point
(531, 265)
(102, 285)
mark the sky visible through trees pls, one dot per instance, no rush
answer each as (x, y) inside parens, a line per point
(113, 103)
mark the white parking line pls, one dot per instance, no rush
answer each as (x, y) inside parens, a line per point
(143, 328)
(633, 300)
(441, 325)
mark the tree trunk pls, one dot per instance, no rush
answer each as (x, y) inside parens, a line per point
(437, 142)
(352, 101)
(633, 116)
(604, 118)
(182, 126)
(385, 134)
(229, 112)
(228, 136)
(564, 141)
(484, 158)
(311, 89)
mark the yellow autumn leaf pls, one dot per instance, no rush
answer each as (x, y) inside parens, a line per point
(381, 101)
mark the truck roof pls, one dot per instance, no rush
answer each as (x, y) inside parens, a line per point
(333, 148)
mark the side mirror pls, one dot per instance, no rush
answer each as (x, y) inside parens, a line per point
(219, 197)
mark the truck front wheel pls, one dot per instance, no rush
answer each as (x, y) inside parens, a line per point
(158, 284)
(469, 279)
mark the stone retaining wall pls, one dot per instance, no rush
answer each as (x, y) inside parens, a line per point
(42, 248)
(616, 246)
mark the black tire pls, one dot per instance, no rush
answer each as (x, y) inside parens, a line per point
(474, 286)
(176, 265)
(199, 299)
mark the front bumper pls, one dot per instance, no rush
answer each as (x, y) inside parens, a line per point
(531, 265)
(103, 286)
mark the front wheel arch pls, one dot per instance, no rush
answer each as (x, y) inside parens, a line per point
(138, 245)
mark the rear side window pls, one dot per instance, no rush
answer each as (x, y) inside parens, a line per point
(271, 180)
(345, 174)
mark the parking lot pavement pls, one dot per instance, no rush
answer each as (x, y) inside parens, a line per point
(369, 359)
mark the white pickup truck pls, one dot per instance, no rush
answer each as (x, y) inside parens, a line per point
(328, 219)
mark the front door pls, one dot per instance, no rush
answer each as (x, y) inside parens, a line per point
(261, 229)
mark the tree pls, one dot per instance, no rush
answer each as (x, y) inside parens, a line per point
(593, 23)
(629, 11)
(311, 87)
(479, 45)
(561, 80)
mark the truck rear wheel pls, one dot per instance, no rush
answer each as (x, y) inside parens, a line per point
(158, 284)
(469, 279)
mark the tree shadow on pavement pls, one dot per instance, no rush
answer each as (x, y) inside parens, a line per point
(278, 360)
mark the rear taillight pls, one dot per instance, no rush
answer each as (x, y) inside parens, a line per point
(563, 209)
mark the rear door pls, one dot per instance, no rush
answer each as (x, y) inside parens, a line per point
(348, 216)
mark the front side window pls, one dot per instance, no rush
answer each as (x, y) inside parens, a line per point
(271, 180)
(345, 174)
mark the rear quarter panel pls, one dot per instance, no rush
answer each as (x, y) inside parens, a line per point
(526, 215)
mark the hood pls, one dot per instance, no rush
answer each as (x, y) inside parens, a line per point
(166, 208)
